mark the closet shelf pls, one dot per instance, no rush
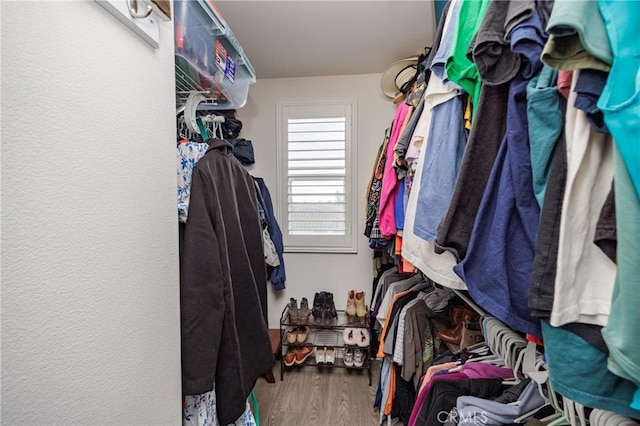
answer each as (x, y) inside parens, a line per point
(339, 363)
(322, 338)
(208, 57)
(189, 79)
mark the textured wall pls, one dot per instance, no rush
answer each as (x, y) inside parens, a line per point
(308, 273)
(90, 292)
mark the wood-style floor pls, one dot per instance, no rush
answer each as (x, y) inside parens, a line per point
(312, 396)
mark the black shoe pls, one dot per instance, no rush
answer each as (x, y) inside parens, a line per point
(327, 317)
(318, 305)
(329, 305)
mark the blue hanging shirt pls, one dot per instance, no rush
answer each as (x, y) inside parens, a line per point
(497, 268)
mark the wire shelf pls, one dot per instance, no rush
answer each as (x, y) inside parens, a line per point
(190, 78)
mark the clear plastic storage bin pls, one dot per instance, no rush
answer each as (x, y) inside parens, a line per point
(208, 57)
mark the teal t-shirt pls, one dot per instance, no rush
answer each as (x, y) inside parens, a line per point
(578, 371)
(545, 125)
(622, 331)
(620, 99)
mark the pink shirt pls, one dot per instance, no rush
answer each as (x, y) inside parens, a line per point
(389, 191)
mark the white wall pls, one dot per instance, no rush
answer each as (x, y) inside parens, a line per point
(90, 289)
(308, 273)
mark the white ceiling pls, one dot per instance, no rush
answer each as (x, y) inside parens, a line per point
(315, 38)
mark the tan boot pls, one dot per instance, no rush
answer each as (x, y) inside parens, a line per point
(351, 306)
(361, 310)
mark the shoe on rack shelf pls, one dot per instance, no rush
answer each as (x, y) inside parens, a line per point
(294, 312)
(290, 357)
(303, 353)
(329, 306)
(349, 336)
(348, 357)
(362, 338)
(358, 357)
(351, 306)
(292, 334)
(304, 311)
(320, 355)
(318, 304)
(327, 317)
(361, 309)
(303, 332)
(329, 356)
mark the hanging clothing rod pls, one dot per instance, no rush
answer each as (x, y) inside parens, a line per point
(471, 303)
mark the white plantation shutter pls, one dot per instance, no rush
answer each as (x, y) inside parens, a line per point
(316, 176)
(316, 153)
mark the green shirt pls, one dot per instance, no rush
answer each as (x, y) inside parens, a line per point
(459, 68)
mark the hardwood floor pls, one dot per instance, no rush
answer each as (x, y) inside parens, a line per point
(313, 396)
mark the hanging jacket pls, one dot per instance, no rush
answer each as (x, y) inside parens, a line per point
(223, 285)
(277, 276)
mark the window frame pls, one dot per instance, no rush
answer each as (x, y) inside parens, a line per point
(285, 110)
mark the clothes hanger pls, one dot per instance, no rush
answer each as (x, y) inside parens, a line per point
(203, 129)
(190, 108)
(561, 419)
(529, 414)
(215, 124)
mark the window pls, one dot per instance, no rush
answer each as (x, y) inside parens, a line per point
(316, 172)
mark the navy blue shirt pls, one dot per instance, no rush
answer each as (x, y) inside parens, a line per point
(589, 88)
(498, 264)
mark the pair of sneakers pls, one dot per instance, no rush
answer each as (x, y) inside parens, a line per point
(325, 355)
(356, 336)
(354, 357)
(297, 355)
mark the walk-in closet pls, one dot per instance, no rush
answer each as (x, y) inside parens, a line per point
(323, 213)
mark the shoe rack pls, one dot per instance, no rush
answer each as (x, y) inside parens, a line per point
(321, 334)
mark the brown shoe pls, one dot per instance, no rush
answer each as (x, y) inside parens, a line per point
(453, 335)
(303, 353)
(460, 313)
(290, 357)
(457, 315)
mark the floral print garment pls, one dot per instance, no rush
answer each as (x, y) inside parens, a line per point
(200, 410)
(188, 155)
(375, 186)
